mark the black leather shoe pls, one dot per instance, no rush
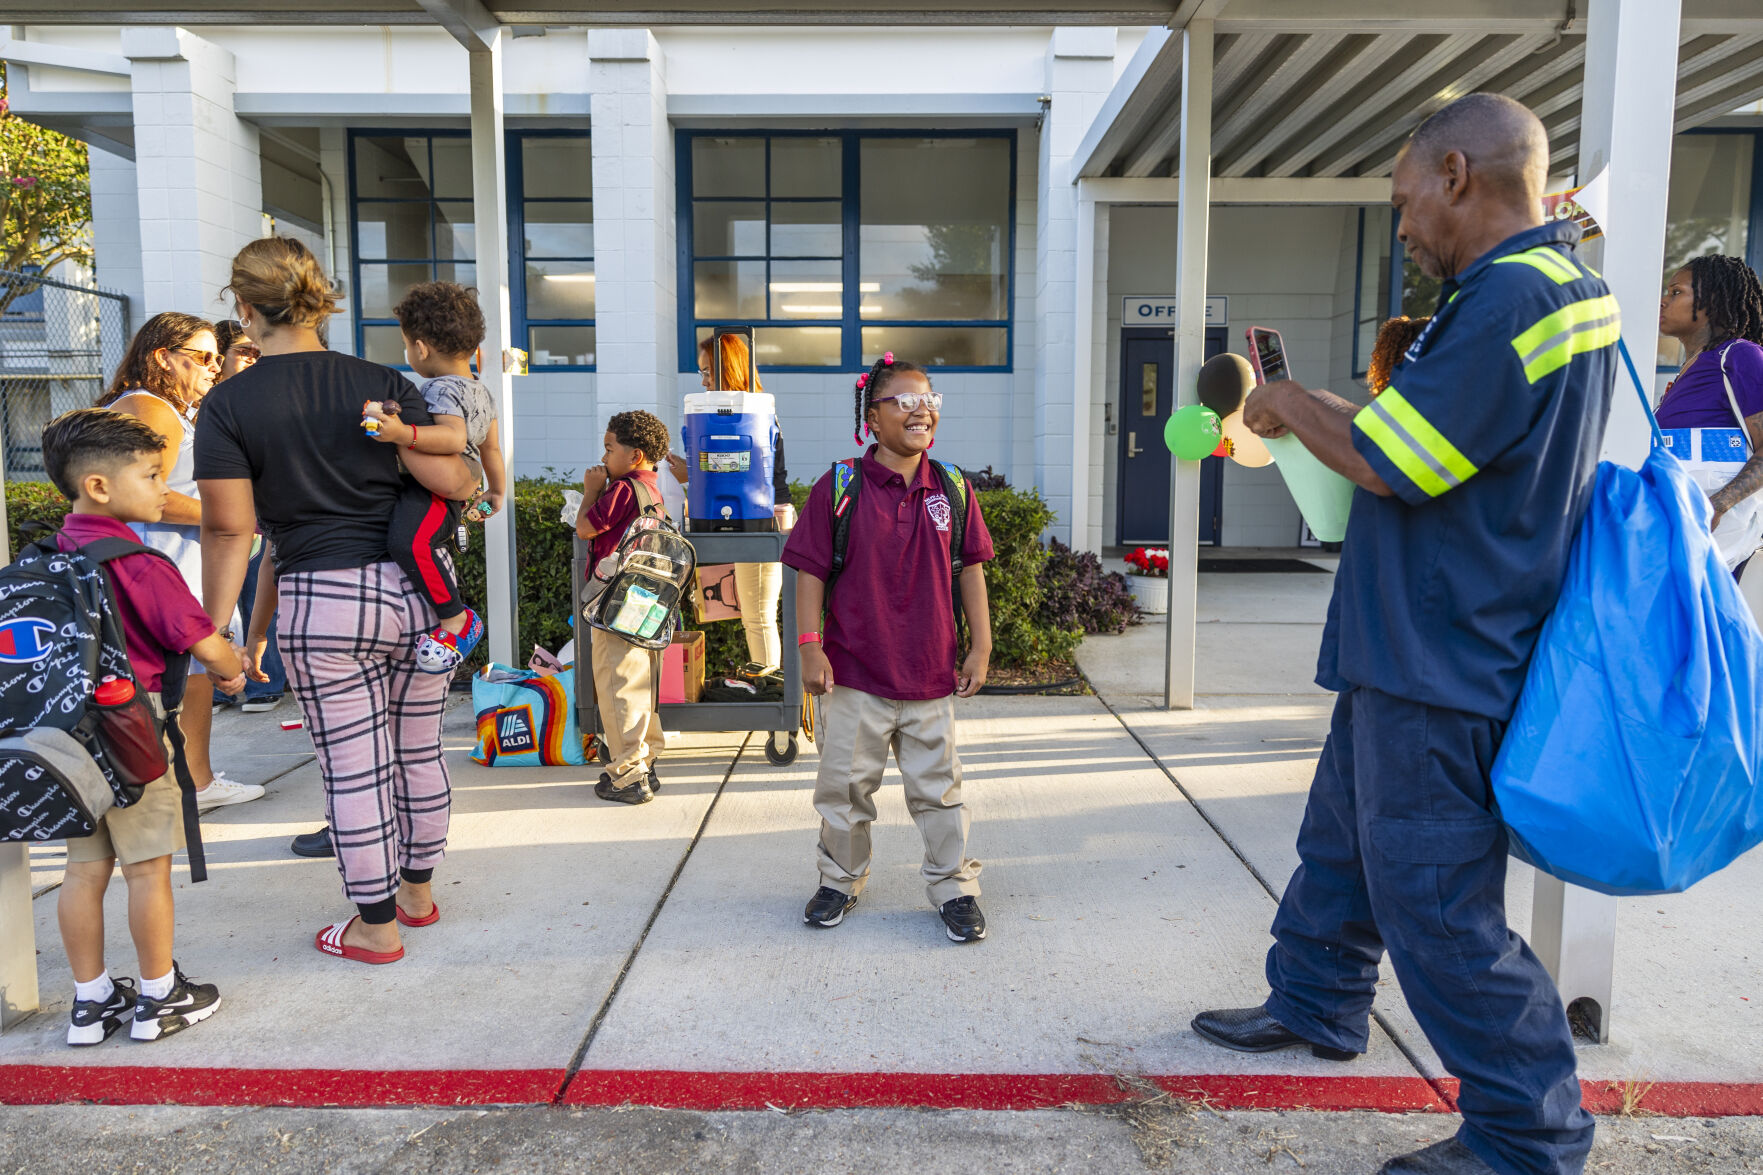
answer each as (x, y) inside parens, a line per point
(1252, 1030)
(654, 782)
(314, 844)
(1449, 1157)
(630, 793)
(827, 908)
(962, 919)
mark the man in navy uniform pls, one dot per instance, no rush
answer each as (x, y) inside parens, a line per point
(1474, 470)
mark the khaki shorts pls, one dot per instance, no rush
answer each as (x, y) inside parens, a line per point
(152, 826)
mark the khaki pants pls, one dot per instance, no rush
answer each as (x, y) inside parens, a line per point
(855, 733)
(759, 586)
(627, 681)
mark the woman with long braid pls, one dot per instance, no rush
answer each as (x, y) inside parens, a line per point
(1713, 411)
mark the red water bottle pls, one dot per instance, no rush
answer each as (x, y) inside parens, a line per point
(130, 733)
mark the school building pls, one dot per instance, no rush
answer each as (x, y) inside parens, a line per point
(995, 191)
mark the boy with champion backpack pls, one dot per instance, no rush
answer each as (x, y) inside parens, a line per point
(890, 545)
(108, 465)
(615, 493)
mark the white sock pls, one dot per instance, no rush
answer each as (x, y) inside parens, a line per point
(158, 989)
(95, 991)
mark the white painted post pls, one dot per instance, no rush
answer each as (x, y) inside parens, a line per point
(489, 192)
(1083, 331)
(1626, 124)
(18, 927)
(1192, 225)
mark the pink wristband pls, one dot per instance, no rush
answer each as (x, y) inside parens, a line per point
(808, 638)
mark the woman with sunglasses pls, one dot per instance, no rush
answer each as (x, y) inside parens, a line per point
(237, 351)
(170, 365)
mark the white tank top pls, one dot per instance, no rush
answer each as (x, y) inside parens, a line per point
(182, 543)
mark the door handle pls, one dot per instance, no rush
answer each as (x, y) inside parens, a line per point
(1132, 445)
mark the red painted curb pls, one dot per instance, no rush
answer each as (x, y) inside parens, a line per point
(25, 1085)
(983, 1091)
(41, 1085)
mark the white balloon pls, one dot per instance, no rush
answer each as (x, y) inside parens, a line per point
(1245, 447)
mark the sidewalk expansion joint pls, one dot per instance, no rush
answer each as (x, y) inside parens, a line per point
(581, 1052)
(1445, 1093)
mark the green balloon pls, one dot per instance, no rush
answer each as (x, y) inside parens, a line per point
(1193, 432)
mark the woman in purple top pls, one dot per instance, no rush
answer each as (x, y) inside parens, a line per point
(1712, 413)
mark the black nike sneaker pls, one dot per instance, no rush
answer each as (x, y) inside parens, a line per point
(827, 908)
(96, 1021)
(187, 1004)
(962, 919)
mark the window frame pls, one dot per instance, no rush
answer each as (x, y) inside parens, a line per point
(850, 323)
(1754, 229)
(519, 326)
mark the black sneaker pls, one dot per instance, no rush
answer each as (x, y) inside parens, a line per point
(828, 907)
(189, 1003)
(96, 1021)
(631, 793)
(962, 919)
(314, 844)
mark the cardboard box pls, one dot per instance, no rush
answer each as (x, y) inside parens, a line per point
(682, 668)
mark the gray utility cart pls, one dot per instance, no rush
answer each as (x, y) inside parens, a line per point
(782, 720)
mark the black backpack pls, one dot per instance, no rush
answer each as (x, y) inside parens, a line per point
(847, 478)
(60, 635)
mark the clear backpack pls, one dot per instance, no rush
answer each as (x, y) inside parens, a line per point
(634, 593)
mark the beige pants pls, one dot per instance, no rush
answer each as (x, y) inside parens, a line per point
(759, 585)
(856, 732)
(626, 684)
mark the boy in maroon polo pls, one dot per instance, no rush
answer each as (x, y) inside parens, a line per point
(108, 465)
(890, 646)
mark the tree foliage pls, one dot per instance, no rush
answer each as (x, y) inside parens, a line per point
(45, 194)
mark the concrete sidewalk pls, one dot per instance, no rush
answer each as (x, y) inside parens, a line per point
(592, 954)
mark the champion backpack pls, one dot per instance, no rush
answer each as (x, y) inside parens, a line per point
(635, 592)
(847, 479)
(66, 758)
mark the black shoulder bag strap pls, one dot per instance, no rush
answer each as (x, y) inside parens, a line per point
(847, 480)
(171, 697)
(957, 493)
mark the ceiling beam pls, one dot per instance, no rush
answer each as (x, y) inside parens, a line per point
(469, 22)
(1247, 190)
(1359, 56)
(62, 57)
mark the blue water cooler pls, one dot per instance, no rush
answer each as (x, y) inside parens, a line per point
(730, 439)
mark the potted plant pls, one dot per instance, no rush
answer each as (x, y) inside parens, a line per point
(1147, 573)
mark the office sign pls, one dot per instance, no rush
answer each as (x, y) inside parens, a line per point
(1155, 310)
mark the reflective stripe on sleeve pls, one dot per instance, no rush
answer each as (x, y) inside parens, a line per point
(1545, 261)
(1572, 330)
(1413, 446)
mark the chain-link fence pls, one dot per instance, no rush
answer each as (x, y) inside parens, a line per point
(59, 342)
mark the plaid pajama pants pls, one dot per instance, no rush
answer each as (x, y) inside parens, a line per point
(348, 640)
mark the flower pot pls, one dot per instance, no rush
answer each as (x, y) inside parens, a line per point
(1152, 593)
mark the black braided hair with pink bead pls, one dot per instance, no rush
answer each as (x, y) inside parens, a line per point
(870, 384)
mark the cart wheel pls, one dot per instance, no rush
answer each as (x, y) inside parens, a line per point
(780, 756)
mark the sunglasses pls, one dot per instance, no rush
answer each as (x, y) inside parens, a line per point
(206, 358)
(245, 351)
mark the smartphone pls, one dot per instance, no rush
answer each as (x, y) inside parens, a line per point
(1267, 354)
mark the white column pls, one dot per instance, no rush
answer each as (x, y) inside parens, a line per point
(1080, 71)
(116, 229)
(489, 195)
(635, 267)
(1193, 215)
(200, 184)
(1625, 125)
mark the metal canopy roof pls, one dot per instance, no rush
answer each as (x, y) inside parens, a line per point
(1304, 88)
(589, 12)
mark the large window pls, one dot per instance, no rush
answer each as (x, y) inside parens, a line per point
(842, 246)
(1710, 204)
(413, 223)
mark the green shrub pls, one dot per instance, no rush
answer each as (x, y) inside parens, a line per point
(1021, 638)
(31, 501)
(543, 549)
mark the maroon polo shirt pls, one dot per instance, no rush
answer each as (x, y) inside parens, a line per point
(617, 508)
(160, 618)
(890, 623)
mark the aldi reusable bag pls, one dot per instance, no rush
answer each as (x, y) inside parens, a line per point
(1632, 763)
(527, 719)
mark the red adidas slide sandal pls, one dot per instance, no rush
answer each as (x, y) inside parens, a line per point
(330, 941)
(429, 919)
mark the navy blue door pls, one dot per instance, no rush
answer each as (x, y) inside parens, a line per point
(1147, 372)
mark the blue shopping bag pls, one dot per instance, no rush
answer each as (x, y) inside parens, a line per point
(1632, 762)
(527, 719)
